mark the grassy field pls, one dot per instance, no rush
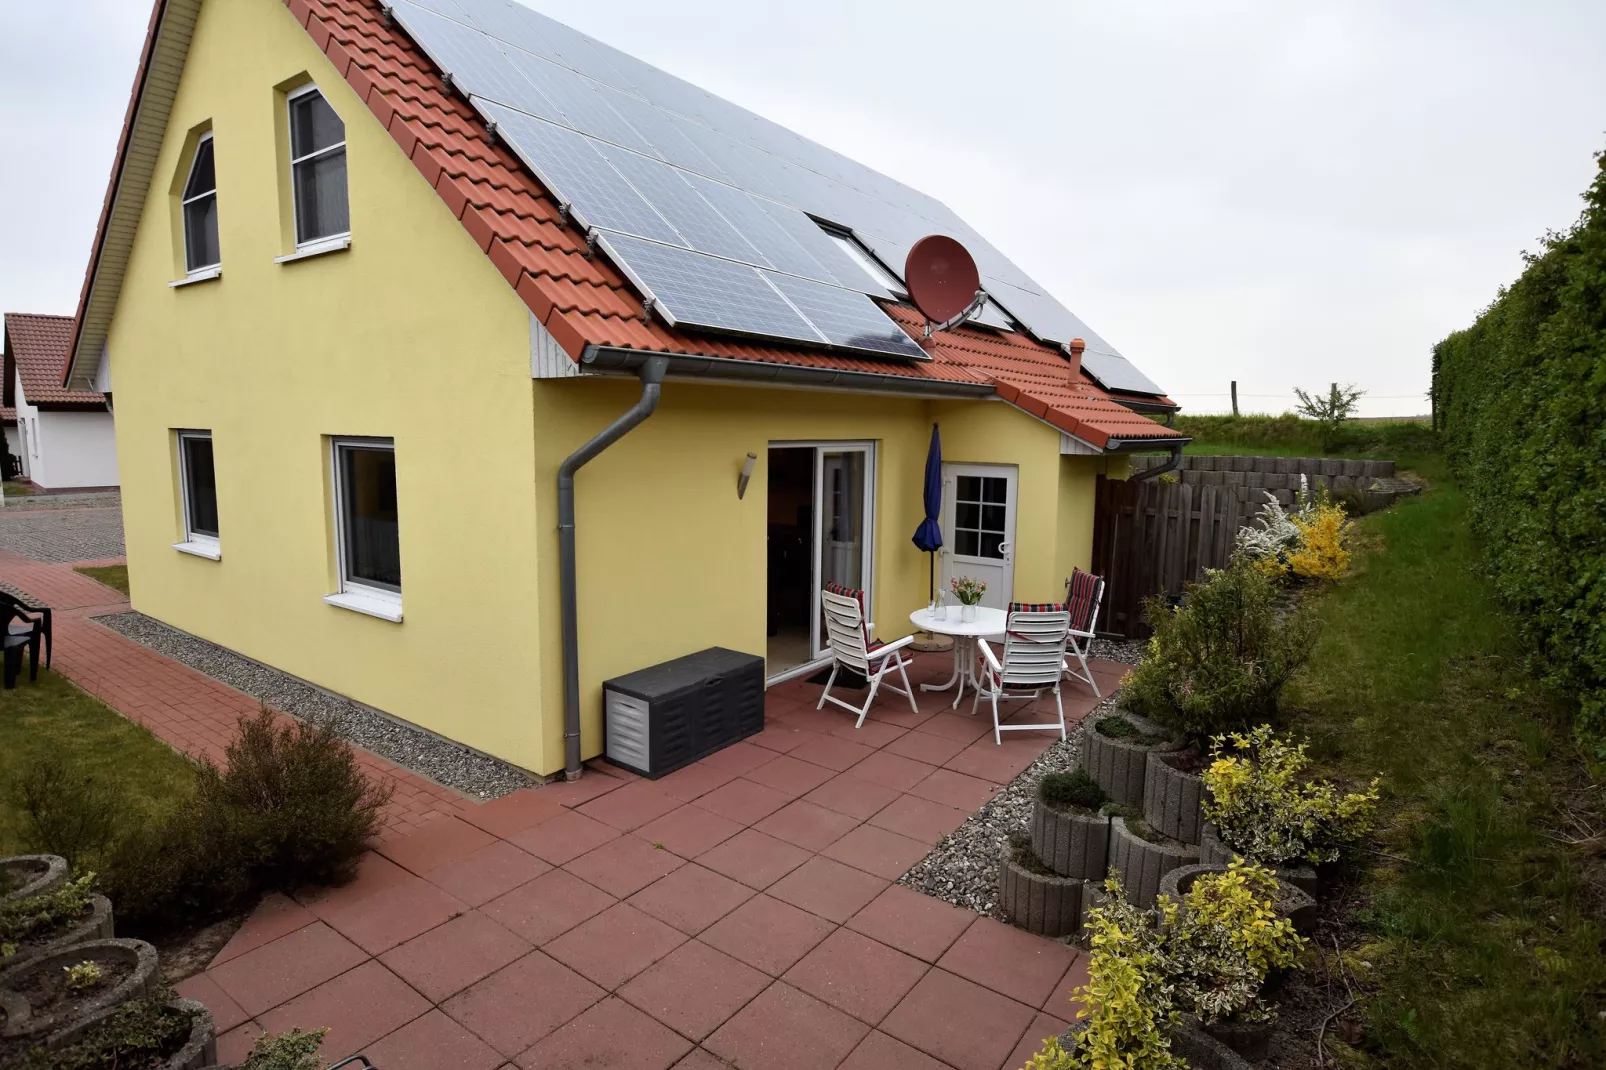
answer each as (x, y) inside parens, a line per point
(113, 576)
(54, 718)
(1480, 921)
(1292, 436)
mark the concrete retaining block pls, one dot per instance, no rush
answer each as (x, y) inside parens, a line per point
(1140, 864)
(1071, 844)
(1171, 798)
(1119, 765)
(1036, 902)
(1292, 902)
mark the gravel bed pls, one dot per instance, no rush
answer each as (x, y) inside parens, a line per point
(1126, 651)
(963, 868)
(94, 499)
(89, 530)
(440, 760)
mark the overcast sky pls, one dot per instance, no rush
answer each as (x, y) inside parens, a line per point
(1281, 194)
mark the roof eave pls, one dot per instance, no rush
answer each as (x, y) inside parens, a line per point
(603, 359)
(150, 102)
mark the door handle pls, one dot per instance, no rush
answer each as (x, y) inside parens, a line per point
(1007, 549)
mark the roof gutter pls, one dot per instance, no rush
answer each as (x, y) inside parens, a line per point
(651, 372)
(597, 359)
(1160, 469)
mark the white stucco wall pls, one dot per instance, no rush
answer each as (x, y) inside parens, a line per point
(66, 449)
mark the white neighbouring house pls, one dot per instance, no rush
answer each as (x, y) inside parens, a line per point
(64, 437)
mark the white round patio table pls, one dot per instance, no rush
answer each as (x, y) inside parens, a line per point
(988, 622)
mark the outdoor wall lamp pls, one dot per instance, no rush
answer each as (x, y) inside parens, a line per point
(747, 474)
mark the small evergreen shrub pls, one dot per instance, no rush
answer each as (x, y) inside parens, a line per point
(1218, 662)
(1266, 806)
(1114, 726)
(292, 1050)
(289, 808)
(65, 812)
(1076, 790)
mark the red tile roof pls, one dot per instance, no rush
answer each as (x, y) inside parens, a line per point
(583, 301)
(35, 347)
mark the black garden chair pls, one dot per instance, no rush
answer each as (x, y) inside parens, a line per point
(21, 632)
(39, 613)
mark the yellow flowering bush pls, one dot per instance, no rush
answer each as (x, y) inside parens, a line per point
(1267, 808)
(1320, 553)
(1222, 939)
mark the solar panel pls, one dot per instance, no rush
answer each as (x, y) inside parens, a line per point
(599, 94)
(846, 318)
(596, 193)
(695, 290)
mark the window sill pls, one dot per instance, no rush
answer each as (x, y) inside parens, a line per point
(372, 604)
(317, 248)
(204, 275)
(209, 550)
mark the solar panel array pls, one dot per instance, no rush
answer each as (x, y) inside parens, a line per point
(709, 208)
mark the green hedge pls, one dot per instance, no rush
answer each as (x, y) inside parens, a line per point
(1520, 398)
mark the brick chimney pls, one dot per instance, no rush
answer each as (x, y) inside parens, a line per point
(1073, 350)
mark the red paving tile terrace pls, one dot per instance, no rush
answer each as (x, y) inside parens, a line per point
(735, 912)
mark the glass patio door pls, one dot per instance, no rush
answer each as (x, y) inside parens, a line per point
(842, 500)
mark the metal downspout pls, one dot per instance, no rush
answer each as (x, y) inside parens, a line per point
(652, 377)
(1161, 469)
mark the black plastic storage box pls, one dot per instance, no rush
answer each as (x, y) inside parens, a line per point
(667, 716)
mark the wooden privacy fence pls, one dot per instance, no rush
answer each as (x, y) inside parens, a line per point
(1151, 537)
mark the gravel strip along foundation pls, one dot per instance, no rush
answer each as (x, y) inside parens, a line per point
(963, 868)
(440, 760)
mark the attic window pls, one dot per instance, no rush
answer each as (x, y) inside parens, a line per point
(201, 249)
(872, 267)
(318, 168)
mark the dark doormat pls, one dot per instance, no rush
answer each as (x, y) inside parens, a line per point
(849, 679)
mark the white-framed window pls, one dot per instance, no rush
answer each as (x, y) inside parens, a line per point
(367, 534)
(198, 492)
(317, 168)
(201, 248)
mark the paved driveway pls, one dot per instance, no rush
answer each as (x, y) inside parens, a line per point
(63, 527)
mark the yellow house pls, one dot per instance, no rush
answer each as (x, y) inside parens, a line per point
(462, 363)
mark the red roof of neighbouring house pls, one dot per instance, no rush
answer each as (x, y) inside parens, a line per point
(583, 301)
(35, 347)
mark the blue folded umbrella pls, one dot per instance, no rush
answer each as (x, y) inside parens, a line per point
(928, 536)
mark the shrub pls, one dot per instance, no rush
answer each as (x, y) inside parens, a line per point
(1309, 542)
(289, 808)
(1125, 1000)
(40, 915)
(1329, 411)
(293, 1050)
(84, 975)
(1320, 553)
(1114, 726)
(1217, 663)
(64, 812)
(1520, 398)
(1222, 939)
(140, 1033)
(1078, 789)
(1266, 807)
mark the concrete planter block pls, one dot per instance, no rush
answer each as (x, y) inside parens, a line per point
(21, 1019)
(35, 874)
(200, 1050)
(1241, 1042)
(1214, 851)
(97, 925)
(1379, 469)
(1200, 464)
(1172, 798)
(1071, 844)
(1199, 1049)
(1283, 465)
(1047, 906)
(1119, 765)
(1353, 468)
(1292, 902)
(1236, 479)
(1141, 864)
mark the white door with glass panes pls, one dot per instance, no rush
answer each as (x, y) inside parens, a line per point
(978, 529)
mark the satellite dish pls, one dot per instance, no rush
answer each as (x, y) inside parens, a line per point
(943, 281)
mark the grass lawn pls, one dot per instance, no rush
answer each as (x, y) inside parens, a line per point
(20, 489)
(53, 717)
(1479, 922)
(113, 576)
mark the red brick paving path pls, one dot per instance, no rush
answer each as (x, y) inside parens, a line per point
(737, 912)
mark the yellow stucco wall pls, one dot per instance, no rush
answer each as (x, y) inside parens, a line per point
(410, 334)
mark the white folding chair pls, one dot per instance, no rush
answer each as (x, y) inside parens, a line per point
(1035, 638)
(842, 613)
(1083, 593)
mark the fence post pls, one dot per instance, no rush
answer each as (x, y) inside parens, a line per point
(1235, 397)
